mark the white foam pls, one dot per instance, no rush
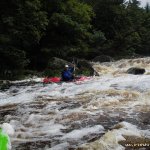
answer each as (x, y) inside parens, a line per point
(35, 79)
(37, 122)
(7, 128)
(53, 129)
(110, 140)
(78, 134)
(29, 93)
(61, 146)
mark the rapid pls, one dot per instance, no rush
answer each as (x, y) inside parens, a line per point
(107, 112)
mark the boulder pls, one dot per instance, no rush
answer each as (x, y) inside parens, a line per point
(55, 67)
(136, 71)
(102, 58)
(73, 59)
(85, 67)
(4, 84)
(57, 63)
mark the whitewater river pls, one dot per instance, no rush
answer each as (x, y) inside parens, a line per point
(108, 112)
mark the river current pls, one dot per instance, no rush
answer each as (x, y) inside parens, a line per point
(107, 112)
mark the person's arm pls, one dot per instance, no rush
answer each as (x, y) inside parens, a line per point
(71, 69)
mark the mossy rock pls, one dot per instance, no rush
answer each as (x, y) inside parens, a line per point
(56, 66)
(85, 67)
(103, 58)
(57, 63)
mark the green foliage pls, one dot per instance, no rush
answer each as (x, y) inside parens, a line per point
(122, 24)
(83, 71)
(30, 22)
(147, 8)
(52, 73)
(12, 61)
(22, 26)
(14, 58)
(68, 27)
(33, 31)
(97, 39)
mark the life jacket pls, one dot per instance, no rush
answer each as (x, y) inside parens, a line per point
(67, 74)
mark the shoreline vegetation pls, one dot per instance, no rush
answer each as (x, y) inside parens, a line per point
(33, 32)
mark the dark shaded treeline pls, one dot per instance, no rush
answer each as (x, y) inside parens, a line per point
(33, 31)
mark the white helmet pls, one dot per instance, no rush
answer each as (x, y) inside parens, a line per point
(66, 66)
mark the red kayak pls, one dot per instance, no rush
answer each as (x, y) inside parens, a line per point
(58, 80)
(52, 79)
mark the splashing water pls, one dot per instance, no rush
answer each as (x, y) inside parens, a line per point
(69, 115)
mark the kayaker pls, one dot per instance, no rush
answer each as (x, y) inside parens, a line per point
(67, 73)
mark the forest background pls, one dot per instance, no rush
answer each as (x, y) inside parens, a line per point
(34, 31)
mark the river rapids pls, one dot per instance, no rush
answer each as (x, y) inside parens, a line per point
(107, 112)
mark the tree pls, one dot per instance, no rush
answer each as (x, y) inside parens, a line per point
(147, 8)
(144, 48)
(121, 23)
(22, 24)
(69, 27)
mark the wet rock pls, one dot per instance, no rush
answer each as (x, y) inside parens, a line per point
(103, 58)
(57, 63)
(15, 91)
(4, 84)
(74, 60)
(136, 71)
(55, 67)
(85, 66)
